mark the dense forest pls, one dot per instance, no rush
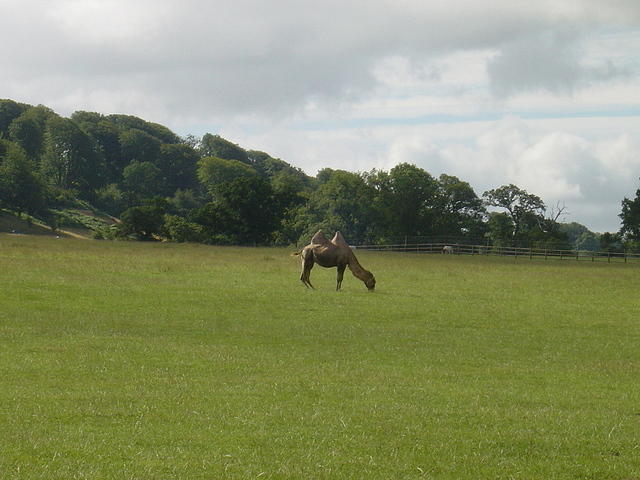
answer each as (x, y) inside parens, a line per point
(161, 186)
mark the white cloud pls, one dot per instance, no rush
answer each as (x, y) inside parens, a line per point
(248, 56)
(543, 93)
(557, 161)
(547, 61)
(621, 156)
(551, 167)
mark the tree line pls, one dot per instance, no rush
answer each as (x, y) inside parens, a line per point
(211, 190)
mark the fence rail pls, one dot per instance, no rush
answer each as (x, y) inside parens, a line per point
(516, 252)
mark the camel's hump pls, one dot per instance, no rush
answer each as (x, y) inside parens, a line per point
(319, 238)
(338, 239)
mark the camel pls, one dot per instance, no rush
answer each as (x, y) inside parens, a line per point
(334, 253)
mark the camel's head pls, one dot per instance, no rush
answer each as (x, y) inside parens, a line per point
(370, 282)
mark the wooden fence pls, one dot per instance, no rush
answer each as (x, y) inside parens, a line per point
(529, 253)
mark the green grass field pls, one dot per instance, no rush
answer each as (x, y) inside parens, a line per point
(127, 360)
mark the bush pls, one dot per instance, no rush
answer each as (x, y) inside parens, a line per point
(143, 222)
(180, 230)
(111, 199)
(106, 233)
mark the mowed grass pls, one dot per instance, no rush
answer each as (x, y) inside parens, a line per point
(163, 361)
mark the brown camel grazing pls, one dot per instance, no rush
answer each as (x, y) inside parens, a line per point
(334, 253)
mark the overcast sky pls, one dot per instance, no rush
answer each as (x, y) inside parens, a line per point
(542, 94)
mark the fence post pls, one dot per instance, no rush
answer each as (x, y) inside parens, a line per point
(530, 253)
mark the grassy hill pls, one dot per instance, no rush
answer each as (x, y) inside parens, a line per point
(76, 221)
(137, 360)
(12, 223)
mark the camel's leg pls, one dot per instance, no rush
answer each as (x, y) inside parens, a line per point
(340, 276)
(307, 265)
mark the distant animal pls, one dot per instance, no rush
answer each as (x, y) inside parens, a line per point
(332, 253)
(447, 249)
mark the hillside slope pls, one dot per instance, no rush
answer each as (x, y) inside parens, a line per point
(76, 223)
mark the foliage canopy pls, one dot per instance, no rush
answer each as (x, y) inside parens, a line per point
(214, 190)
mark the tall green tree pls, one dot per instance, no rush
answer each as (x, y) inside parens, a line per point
(178, 164)
(630, 216)
(611, 242)
(459, 211)
(129, 122)
(140, 181)
(112, 199)
(406, 201)
(216, 146)
(214, 173)
(183, 201)
(587, 241)
(524, 209)
(291, 193)
(341, 202)
(71, 159)
(106, 136)
(217, 223)
(533, 225)
(244, 212)
(575, 231)
(140, 146)
(289, 189)
(21, 187)
(9, 111)
(546, 232)
(28, 130)
(500, 229)
(270, 167)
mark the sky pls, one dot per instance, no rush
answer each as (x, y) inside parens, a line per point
(544, 94)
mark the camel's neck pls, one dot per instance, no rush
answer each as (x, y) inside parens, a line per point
(357, 269)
